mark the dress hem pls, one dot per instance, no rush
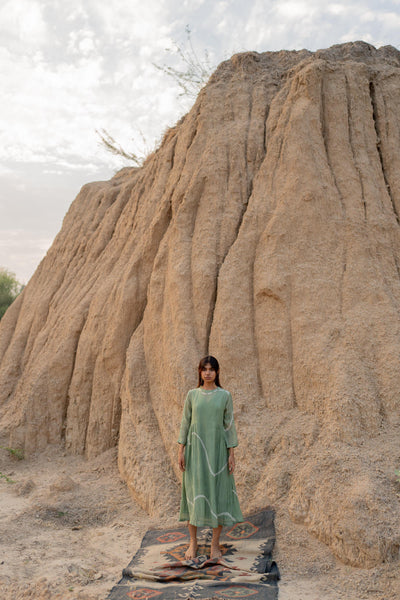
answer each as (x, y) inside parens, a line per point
(209, 524)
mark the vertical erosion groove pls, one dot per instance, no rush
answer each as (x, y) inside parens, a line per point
(290, 327)
(291, 354)
(67, 398)
(396, 262)
(188, 147)
(325, 138)
(215, 293)
(213, 304)
(249, 191)
(351, 141)
(173, 149)
(246, 143)
(265, 131)
(228, 165)
(375, 117)
(158, 233)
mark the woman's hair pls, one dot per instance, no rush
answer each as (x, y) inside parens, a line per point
(209, 360)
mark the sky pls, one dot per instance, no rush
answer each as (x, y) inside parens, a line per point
(73, 67)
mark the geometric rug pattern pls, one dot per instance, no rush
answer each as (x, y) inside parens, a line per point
(159, 570)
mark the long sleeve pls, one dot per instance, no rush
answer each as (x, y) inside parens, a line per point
(186, 420)
(229, 424)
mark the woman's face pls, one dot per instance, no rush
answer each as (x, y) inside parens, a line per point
(208, 374)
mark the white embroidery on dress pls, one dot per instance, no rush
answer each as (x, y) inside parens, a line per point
(208, 461)
(216, 515)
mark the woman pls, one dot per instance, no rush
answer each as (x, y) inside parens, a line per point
(207, 440)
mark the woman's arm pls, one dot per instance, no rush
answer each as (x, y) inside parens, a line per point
(186, 420)
(181, 457)
(185, 424)
(229, 424)
(231, 460)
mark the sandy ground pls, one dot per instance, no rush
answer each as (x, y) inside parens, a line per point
(68, 526)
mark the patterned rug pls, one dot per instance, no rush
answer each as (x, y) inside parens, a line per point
(246, 570)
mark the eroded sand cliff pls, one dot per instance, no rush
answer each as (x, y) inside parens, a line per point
(264, 230)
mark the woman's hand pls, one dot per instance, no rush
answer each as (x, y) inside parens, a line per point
(181, 457)
(231, 460)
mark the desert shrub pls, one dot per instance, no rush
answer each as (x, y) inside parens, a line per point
(9, 289)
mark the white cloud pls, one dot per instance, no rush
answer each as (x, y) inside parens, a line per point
(193, 4)
(367, 16)
(390, 21)
(336, 9)
(53, 172)
(312, 24)
(47, 108)
(54, 107)
(135, 20)
(76, 14)
(82, 42)
(294, 9)
(23, 19)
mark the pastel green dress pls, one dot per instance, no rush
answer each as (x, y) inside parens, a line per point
(209, 495)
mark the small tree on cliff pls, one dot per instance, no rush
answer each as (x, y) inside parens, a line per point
(9, 289)
(190, 78)
(196, 71)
